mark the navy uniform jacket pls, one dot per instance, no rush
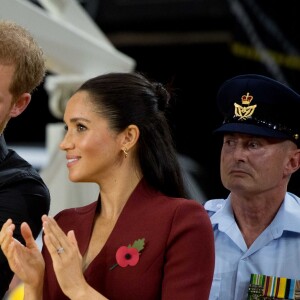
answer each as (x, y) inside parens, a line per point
(177, 261)
(23, 197)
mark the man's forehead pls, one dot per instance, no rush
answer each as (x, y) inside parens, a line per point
(253, 137)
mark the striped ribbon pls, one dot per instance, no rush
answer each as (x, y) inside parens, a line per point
(272, 287)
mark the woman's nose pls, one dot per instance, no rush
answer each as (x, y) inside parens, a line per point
(66, 143)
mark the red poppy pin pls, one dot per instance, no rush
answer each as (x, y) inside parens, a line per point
(130, 255)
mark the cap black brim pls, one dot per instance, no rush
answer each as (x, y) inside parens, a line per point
(252, 130)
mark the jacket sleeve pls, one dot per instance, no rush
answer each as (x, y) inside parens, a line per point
(24, 200)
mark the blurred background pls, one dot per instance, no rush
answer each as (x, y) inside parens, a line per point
(192, 45)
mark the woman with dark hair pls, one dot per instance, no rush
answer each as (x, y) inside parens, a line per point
(142, 238)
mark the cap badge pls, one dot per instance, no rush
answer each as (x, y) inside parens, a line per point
(244, 112)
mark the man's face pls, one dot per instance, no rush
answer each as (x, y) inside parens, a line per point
(6, 98)
(251, 164)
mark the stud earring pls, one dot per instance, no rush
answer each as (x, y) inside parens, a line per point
(125, 152)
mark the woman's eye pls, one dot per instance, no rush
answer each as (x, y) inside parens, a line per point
(81, 127)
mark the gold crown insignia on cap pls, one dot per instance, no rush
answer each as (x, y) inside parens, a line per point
(246, 99)
(244, 112)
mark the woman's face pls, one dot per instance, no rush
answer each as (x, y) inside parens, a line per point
(93, 150)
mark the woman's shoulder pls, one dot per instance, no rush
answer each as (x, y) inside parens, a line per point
(179, 206)
(73, 211)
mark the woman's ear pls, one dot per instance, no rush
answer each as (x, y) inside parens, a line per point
(20, 105)
(131, 136)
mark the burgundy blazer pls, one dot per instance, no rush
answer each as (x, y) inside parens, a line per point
(177, 261)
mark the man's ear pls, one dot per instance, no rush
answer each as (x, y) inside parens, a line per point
(295, 161)
(20, 105)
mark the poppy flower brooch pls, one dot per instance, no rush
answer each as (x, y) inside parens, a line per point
(130, 255)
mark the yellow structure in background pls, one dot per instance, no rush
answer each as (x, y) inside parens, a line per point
(17, 293)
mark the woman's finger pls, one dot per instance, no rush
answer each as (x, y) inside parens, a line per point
(55, 239)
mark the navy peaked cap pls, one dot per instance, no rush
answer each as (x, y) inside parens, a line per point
(258, 105)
